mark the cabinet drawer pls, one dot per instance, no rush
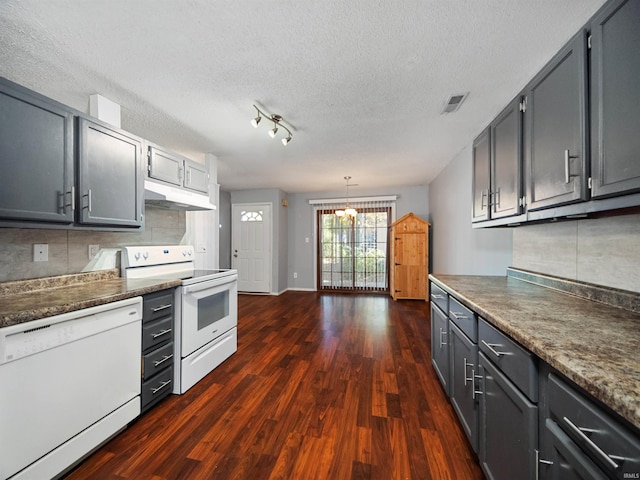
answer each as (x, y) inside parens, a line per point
(439, 297)
(464, 318)
(157, 305)
(157, 360)
(157, 333)
(518, 364)
(159, 386)
(605, 440)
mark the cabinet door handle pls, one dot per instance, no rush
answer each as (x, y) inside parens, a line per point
(159, 334)
(162, 385)
(89, 200)
(590, 443)
(164, 359)
(491, 347)
(458, 315)
(467, 379)
(442, 344)
(473, 384)
(567, 166)
(162, 307)
(540, 461)
(483, 195)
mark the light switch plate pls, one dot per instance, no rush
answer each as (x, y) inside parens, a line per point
(40, 252)
(93, 251)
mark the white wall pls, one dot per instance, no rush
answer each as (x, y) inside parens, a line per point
(456, 248)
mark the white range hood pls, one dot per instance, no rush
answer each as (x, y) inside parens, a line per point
(172, 198)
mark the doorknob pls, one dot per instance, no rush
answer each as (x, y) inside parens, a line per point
(235, 255)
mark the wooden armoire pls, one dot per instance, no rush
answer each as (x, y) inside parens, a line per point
(409, 265)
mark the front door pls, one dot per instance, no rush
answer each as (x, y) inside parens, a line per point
(251, 246)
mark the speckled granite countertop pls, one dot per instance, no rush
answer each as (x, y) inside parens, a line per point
(27, 300)
(593, 344)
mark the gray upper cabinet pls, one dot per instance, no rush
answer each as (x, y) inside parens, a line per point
(196, 177)
(480, 175)
(506, 161)
(110, 189)
(36, 157)
(556, 115)
(172, 168)
(615, 99)
(165, 166)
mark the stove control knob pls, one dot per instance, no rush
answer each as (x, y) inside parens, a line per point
(184, 253)
(145, 255)
(189, 252)
(137, 256)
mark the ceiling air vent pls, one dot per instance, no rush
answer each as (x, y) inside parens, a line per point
(453, 102)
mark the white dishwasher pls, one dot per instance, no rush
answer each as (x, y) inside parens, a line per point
(67, 384)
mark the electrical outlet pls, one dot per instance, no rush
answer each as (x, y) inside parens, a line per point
(93, 251)
(41, 252)
(295, 274)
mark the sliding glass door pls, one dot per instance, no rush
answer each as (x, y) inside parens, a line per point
(353, 252)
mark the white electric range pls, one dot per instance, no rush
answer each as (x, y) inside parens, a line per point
(206, 308)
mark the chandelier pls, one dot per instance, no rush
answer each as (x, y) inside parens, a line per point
(348, 211)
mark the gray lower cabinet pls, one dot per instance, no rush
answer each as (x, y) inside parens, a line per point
(508, 427)
(110, 181)
(157, 348)
(440, 345)
(556, 153)
(615, 99)
(464, 368)
(36, 157)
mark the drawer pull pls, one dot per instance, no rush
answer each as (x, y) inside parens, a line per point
(159, 334)
(442, 344)
(491, 347)
(437, 296)
(458, 315)
(160, 308)
(590, 443)
(467, 379)
(162, 385)
(164, 359)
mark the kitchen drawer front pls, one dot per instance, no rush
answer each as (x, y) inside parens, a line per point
(159, 386)
(602, 437)
(439, 297)
(157, 305)
(157, 360)
(518, 364)
(464, 318)
(157, 333)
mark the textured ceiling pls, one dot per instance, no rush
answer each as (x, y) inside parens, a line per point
(361, 82)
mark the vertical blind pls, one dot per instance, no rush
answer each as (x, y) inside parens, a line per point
(353, 252)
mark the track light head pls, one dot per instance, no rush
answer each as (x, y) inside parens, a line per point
(273, 131)
(256, 121)
(285, 141)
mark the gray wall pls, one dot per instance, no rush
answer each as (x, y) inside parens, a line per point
(280, 226)
(456, 248)
(68, 249)
(224, 212)
(302, 221)
(604, 251)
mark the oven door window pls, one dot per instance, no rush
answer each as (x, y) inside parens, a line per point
(213, 308)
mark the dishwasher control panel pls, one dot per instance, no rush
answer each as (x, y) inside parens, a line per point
(19, 341)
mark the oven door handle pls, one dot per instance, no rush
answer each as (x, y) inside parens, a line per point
(216, 283)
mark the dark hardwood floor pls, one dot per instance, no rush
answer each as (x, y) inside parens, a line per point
(324, 386)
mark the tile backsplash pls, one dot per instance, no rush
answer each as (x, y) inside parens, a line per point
(69, 249)
(603, 251)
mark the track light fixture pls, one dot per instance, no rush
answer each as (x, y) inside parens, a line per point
(276, 119)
